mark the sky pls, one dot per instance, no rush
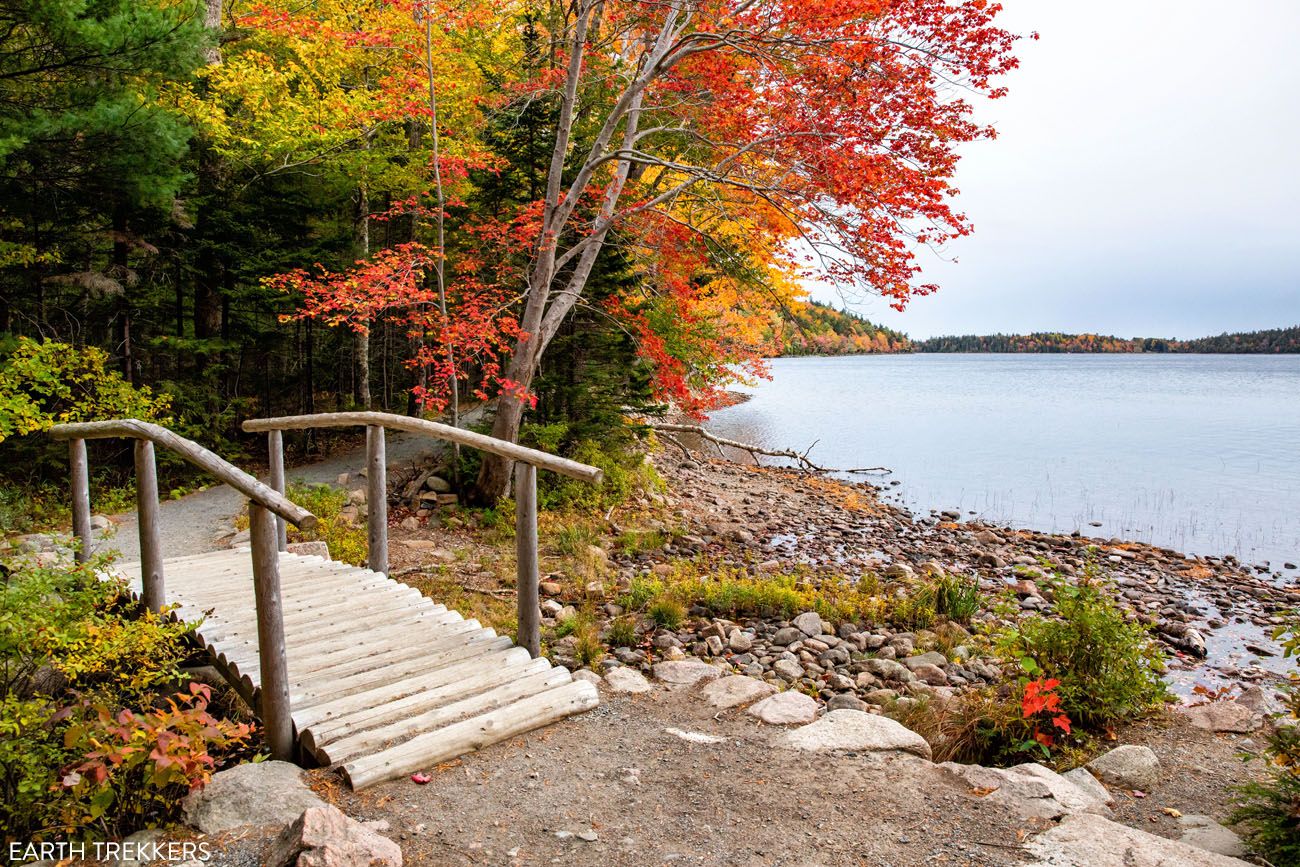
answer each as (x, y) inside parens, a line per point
(1144, 181)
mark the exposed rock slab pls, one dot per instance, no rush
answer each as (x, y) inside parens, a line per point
(628, 681)
(736, 690)
(261, 793)
(1223, 716)
(1205, 833)
(686, 672)
(1089, 840)
(1030, 790)
(856, 731)
(786, 709)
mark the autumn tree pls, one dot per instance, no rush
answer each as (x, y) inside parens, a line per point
(842, 117)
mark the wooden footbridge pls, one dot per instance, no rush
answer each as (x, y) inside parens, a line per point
(344, 665)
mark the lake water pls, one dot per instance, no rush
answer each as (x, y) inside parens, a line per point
(1200, 453)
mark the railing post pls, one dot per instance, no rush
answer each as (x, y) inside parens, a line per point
(377, 498)
(80, 497)
(275, 449)
(274, 666)
(146, 506)
(526, 576)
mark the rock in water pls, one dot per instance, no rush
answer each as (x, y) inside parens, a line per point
(261, 793)
(857, 731)
(1129, 766)
(736, 690)
(324, 837)
(786, 708)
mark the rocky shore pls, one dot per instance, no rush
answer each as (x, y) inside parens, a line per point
(1214, 615)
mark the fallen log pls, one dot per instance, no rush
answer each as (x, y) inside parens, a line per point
(801, 458)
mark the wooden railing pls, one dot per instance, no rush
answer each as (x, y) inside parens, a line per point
(266, 507)
(528, 461)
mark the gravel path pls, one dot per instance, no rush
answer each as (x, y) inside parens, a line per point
(199, 522)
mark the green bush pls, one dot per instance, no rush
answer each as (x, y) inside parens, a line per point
(957, 598)
(666, 613)
(1109, 667)
(347, 542)
(91, 744)
(622, 632)
(1267, 810)
(626, 469)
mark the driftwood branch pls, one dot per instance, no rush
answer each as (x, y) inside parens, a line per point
(666, 430)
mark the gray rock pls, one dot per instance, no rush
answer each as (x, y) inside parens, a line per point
(1029, 790)
(931, 658)
(627, 681)
(931, 674)
(880, 696)
(309, 549)
(1129, 767)
(588, 676)
(1205, 833)
(739, 642)
(686, 672)
(786, 635)
(788, 669)
(1083, 779)
(785, 708)
(1223, 716)
(137, 848)
(736, 690)
(856, 731)
(324, 837)
(809, 623)
(846, 701)
(888, 669)
(1089, 839)
(260, 793)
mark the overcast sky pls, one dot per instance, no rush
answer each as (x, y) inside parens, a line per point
(1144, 181)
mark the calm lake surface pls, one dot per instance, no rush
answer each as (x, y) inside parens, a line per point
(1197, 453)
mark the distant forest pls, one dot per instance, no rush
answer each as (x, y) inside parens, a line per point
(820, 329)
(1274, 341)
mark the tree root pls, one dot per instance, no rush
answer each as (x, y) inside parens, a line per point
(666, 430)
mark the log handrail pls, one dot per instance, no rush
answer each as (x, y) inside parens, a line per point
(526, 561)
(265, 505)
(264, 495)
(482, 442)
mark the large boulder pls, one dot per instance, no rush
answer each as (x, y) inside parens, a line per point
(1129, 767)
(258, 793)
(856, 731)
(809, 623)
(786, 709)
(1205, 833)
(1091, 840)
(736, 690)
(1029, 790)
(1223, 716)
(324, 837)
(686, 672)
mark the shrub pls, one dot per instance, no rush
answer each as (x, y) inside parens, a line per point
(1267, 810)
(1109, 667)
(957, 598)
(622, 632)
(574, 538)
(915, 606)
(347, 542)
(627, 471)
(88, 744)
(666, 613)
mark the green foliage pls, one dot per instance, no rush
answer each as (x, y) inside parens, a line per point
(574, 538)
(90, 746)
(622, 632)
(1267, 809)
(347, 542)
(1109, 667)
(915, 606)
(43, 384)
(626, 467)
(957, 598)
(640, 541)
(666, 613)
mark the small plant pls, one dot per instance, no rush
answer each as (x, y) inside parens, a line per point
(1109, 667)
(622, 632)
(957, 598)
(346, 541)
(587, 649)
(640, 541)
(574, 539)
(666, 613)
(1040, 706)
(1267, 809)
(915, 606)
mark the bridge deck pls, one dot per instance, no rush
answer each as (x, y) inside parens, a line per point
(382, 680)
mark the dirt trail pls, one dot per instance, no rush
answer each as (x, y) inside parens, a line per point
(199, 522)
